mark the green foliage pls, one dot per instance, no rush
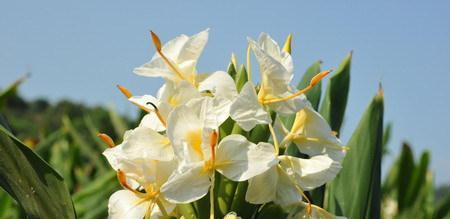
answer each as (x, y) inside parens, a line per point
(37, 187)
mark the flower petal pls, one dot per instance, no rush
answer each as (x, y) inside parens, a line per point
(263, 187)
(247, 111)
(219, 83)
(122, 204)
(311, 173)
(194, 46)
(239, 160)
(189, 183)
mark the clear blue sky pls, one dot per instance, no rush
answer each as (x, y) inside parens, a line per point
(82, 50)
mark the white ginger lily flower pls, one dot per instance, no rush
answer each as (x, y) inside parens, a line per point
(285, 182)
(143, 162)
(177, 59)
(313, 136)
(276, 68)
(191, 131)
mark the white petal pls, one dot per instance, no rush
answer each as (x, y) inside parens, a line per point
(247, 111)
(187, 184)
(238, 159)
(146, 143)
(145, 102)
(287, 193)
(279, 128)
(213, 111)
(263, 187)
(291, 106)
(220, 84)
(173, 47)
(122, 204)
(152, 121)
(310, 173)
(194, 46)
(177, 94)
(271, 47)
(156, 68)
(316, 135)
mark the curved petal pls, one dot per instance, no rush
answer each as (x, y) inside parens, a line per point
(144, 102)
(187, 184)
(122, 204)
(213, 111)
(271, 47)
(239, 160)
(287, 193)
(314, 135)
(291, 106)
(194, 46)
(310, 173)
(247, 111)
(156, 68)
(263, 187)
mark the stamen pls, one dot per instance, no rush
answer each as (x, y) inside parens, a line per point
(287, 44)
(158, 113)
(125, 91)
(313, 83)
(123, 181)
(106, 139)
(157, 43)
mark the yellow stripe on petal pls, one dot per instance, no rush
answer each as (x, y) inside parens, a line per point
(194, 139)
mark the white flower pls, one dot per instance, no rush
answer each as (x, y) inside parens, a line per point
(191, 131)
(177, 59)
(313, 136)
(285, 182)
(144, 162)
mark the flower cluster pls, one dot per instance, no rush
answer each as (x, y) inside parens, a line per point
(178, 150)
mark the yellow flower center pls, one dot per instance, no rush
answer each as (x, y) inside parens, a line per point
(194, 139)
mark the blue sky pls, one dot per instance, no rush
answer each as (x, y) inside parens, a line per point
(82, 50)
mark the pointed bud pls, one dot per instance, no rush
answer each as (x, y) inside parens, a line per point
(233, 60)
(287, 44)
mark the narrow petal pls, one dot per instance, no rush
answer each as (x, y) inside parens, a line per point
(152, 121)
(194, 46)
(122, 204)
(247, 111)
(187, 184)
(239, 160)
(287, 193)
(263, 187)
(145, 143)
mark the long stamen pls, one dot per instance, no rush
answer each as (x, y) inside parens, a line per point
(106, 139)
(157, 43)
(312, 83)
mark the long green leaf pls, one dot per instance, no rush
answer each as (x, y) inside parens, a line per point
(314, 94)
(37, 187)
(335, 100)
(355, 193)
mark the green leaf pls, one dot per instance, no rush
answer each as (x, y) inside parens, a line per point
(232, 71)
(406, 168)
(355, 193)
(37, 187)
(335, 101)
(314, 94)
(418, 179)
(442, 208)
(386, 137)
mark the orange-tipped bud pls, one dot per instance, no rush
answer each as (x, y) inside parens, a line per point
(105, 138)
(319, 77)
(156, 40)
(125, 91)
